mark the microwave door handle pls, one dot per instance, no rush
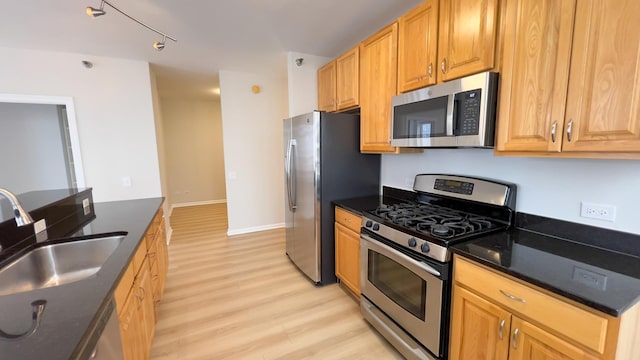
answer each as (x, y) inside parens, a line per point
(451, 114)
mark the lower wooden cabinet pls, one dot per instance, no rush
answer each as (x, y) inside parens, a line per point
(140, 290)
(347, 235)
(529, 323)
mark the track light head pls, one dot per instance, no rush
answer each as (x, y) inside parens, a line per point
(93, 12)
(158, 45)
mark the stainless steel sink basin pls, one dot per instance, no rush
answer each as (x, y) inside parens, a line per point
(57, 264)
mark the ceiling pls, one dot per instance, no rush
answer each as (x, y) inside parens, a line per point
(240, 35)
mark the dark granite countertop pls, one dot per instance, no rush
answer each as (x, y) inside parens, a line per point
(359, 205)
(605, 280)
(72, 310)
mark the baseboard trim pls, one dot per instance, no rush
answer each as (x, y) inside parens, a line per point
(197, 203)
(254, 229)
(169, 233)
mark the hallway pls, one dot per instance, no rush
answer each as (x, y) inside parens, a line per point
(241, 298)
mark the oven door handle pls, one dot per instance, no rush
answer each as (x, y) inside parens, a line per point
(417, 263)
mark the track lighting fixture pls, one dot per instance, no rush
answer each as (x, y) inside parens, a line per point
(158, 45)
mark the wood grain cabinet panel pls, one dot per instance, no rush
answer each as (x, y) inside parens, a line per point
(347, 238)
(536, 74)
(468, 37)
(142, 286)
(529, 342)
(479, 329)
(347, 80)
(327, 87)
(417, 47)
(378, 82)
(570, 83)
(491, 309)
(603, 102)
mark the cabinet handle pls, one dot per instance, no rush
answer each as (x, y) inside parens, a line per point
(513, 297)
(569, 130)
(443, 65)
(514, 338)
(500, 330)
(553, 131)
(430, 70)
(143, 293)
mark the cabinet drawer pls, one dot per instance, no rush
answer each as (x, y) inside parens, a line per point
(122, 291)
(348, 219)
(582, 326)
(138, 258)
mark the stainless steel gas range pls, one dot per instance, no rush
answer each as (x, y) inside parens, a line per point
(405, 257)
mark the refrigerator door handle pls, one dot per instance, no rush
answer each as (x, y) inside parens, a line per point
(290, 176)
(293, 175)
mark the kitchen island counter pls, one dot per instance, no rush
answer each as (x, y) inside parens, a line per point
(73, 310)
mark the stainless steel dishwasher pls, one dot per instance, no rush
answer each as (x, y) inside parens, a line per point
(107, 332)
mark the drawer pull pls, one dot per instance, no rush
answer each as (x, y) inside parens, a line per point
(514, 338)
(500, 329)
(513, 297)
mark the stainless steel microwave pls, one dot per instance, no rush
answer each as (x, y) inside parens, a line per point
(457, 113)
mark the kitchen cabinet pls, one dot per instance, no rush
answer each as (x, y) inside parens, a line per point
(570, 79)
(497, 317)
(139, 291)
(417, 47)
(327, 87)
(338, 82)
(347, 238)
(378, 81)
(468, 37)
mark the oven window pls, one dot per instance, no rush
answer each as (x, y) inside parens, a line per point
(398, 283)
(423, 119)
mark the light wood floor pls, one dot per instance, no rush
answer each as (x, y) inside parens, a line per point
(241, 298)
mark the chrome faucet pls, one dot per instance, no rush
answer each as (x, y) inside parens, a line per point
(22, 217)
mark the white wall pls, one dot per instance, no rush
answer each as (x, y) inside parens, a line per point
(195, 154)
(547, 187)
(253, 150)
(303, 82)
(114, 113)
(31, 144)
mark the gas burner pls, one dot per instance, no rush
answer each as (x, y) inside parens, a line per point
(433, 220)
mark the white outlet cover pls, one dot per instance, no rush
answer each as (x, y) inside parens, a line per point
(604, 212)
(40, 226)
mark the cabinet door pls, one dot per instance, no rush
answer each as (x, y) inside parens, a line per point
(378, 69)
(603, 105)
(348, 258)
(347, 79)
(327, 87)
(479, 329)
(467, 41)
(131, 333)
(417, 47)
(529, 342)
(535, 76)
(145, 306)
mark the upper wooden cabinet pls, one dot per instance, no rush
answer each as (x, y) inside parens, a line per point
(570, 78)
(327, 87)
(347, 79)
(468, 37)
(378, 64)
(417, 47)
(338, 82)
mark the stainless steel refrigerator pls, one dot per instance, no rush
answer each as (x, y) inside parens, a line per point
(322, 163)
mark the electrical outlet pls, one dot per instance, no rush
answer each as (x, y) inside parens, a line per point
(408, 182)
(598, 211)
(126, 181)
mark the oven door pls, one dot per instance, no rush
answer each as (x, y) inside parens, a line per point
(407, 290)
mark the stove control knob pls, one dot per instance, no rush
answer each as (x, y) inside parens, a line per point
(369, 223)
(425, 248)
(376, 227)
(412, 242)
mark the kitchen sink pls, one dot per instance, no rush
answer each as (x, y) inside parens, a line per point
(57, 264)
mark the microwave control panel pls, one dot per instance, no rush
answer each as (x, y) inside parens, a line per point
(468, 112)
